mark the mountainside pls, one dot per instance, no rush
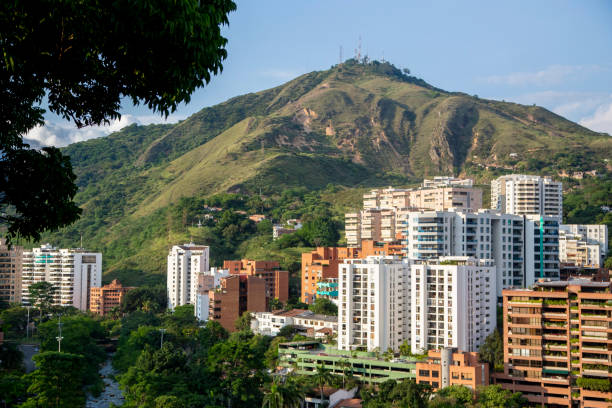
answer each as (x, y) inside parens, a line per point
(353, 125)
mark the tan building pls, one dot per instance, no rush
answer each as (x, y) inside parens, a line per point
(104, 299)
(444, 198)
(235, 295)
(277, 281)
(385, 211)
(10, 272)
(558, 343)
(448, 366)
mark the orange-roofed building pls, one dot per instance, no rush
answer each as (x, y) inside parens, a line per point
(104, 299)
(322, 264)
(448, 367)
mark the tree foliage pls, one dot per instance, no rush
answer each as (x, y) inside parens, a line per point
(492, 351)
(324, 306)
(83, 57)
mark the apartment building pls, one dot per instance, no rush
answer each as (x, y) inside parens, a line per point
(277, 281)
(207, 281)
(527, 195)
(385, 210)
(373, 303)
(72, 272)
(557, 343)
(10, 272)
(574, 250)
(516, 243)
(235, 295)
(105, 298)
(449, 366)
(444, 198)
(591, 234)
(321, 265)
(453, 303)
(185, 262)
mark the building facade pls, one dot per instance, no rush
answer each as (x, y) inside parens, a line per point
(453, 303)
(277, 281)
(320, 265)
(527, 195)
(558, 344)
(449, 366)
(574, 250)
(185, 262)
(72, 272)
(373, 303)
(105, 298)
(236, 295)
(525, 248)
(207, 281)
(591, 234)
(10, 272)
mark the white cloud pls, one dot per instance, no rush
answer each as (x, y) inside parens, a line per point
(552, 74)
(64, 133)
(601, 120)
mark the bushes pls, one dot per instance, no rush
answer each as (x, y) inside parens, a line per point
(593, 384)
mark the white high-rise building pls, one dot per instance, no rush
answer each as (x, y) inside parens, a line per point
(591, 234)
(574, 249)
(184, 264)
(514, 242)
(527, 195)
(373, 303)
(453, 303)
(72, 272)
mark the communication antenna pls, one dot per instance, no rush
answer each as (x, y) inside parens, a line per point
(383, 56)
(359, 50)
(340, 61)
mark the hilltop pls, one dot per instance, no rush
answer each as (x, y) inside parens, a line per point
(354, 125)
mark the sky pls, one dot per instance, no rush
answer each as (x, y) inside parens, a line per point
(556, 54)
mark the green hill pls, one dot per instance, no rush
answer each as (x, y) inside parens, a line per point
(354, 125)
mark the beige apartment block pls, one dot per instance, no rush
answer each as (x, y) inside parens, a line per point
(444, 198)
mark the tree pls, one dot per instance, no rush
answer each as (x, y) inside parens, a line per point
(243, 323)
(457, 395)
(320, 231)
(41, 295)
(321, 378)
(57, 381)
(324, 306)
(146, 298)
(405, 349)
(275, 304)
(283, 393)
(11, 358)
(494, 396)
(152, 53)
(492, 351)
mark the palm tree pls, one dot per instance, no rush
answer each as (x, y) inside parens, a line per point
(273, 398)
(283, 393)
(321, 378)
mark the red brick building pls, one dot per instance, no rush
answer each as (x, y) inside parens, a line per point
(277, 281)
(236, 294)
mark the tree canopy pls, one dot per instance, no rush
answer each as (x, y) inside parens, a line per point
(81, 58)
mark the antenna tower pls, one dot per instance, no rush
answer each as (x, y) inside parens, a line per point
(359, 50)
(340, 61)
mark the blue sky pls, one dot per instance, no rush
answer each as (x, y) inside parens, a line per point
(556, 54)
